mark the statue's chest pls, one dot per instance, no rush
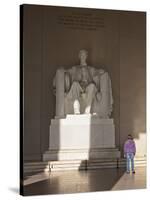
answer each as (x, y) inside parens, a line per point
(77, 74)
(81, 74)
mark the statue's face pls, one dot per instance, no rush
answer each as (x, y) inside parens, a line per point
(83, 56)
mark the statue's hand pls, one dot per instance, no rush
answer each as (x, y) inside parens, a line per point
(99, 96)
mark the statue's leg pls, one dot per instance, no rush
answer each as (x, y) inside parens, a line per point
(76, 106)
(74, 95)
(90, 94)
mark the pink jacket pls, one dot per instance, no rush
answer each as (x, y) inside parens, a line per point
(129, 146)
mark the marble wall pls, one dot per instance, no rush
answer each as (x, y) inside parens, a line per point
(118, 45)
(133, 77)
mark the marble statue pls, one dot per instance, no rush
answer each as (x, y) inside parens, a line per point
(83, 89)
(82, 128)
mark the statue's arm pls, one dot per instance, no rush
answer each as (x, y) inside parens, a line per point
(96, 78)
(56, 79)
(96, 81)
(67, 80)
(106, 91)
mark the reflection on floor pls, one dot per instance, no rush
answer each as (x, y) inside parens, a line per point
(132, 181)
(83, 181)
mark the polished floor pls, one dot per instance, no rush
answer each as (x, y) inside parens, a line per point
(83, 181)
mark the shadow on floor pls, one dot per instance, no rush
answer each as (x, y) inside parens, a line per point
(75, 182)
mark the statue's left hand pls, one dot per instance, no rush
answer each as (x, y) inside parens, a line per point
(98, 96)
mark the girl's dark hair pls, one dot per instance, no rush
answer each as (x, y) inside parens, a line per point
(130, 136)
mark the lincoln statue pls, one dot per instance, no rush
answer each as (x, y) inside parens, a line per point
(83, 89)
(83, 127)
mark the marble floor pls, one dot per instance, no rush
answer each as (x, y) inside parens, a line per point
(64, 182)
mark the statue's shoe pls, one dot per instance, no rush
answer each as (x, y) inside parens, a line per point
(77, 113)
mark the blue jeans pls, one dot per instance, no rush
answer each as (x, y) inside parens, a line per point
(129, 159)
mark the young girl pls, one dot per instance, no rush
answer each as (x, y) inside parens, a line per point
(129, 153)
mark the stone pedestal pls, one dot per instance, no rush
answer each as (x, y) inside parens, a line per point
(81, 137)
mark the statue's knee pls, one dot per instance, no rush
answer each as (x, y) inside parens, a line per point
(75, 83)
(91, 86)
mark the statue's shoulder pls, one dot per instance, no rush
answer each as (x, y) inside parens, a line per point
(90, 67)
(93, 68)
(74, 69)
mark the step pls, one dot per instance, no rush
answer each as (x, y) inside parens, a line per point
(79, 164)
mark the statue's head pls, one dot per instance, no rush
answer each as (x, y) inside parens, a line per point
(83, 54)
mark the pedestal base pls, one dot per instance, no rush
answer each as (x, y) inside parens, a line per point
(81, 154)
(81, 137)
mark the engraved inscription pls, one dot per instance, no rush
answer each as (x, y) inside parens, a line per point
(83, 21)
